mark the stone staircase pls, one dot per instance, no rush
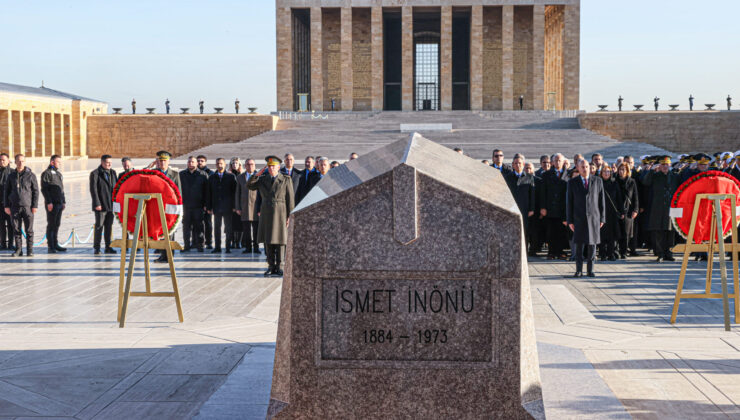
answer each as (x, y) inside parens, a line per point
(532, 133)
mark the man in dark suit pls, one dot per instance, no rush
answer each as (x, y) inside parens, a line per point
(662, 183)
(21, 198)
(302, 188)
(734, 169)
(585, 209)
(246, 207)
(289, 170)
(498, 162)
(552, 197)
(522, 188)
(322, 168)
(207, 218)
(6, 224)
(102, 181)
(221, 191)
(544, 166)
(194, 193)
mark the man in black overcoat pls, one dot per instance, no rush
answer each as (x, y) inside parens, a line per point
(221, 190)
(194, 193)
(289, 170)
(102, 181)
(522, 188)
(585, 209)
(662, 184)
(552, 202)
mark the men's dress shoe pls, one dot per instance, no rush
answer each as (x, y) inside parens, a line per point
(216, 250)
(563, 257)
(96, 252)
(209, 246)
(277, 273)
(672, 259)
(268, 273)
(701, 258)
(51, 251)
(247, 251)
(3, 248)
(60, 248)
(162, 258)
(660, 259)
(18, 253)
(634, 254)
(591, 274)
(578, 274)
(187, 249)
(228, 251)
(110, 250)
(257, 250)
(200, 249)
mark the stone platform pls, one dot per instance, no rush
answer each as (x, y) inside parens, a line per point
(532, 133)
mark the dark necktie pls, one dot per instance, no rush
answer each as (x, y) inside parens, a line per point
(585, 183)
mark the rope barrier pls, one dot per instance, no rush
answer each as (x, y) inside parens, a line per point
(72, 236)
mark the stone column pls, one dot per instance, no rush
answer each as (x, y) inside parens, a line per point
(59, 134)
(538, 55)
(346, 53)
(317, 75)
(78, 139)
(51, 126)
(446, 57)
(285, 94)
(20, 127)
(407, 58)
(507, 57)
(476, 58)
(376, 34)
(38, 118)
(6, 132)
(572, 57)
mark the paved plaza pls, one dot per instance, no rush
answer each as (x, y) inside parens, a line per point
(606, 347)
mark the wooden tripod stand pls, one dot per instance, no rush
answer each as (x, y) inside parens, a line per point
(145, 244)
(710, 248)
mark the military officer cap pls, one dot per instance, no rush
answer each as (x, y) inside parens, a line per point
(727, 155)
(737, 154)
(682, 158)
(702, 158)
(163, 155)
(663, 160)
(644, 159)
(273, 161)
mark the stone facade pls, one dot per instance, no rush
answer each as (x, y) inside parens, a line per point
(141, 136)
(527, 48)
(680, 132)
(40, 122)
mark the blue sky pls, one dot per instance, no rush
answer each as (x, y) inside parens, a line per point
(220, 50)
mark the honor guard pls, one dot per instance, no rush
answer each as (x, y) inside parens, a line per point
(276, 192)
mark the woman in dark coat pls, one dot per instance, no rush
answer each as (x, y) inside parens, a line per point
(235, 167)
(631, 200)
(610, 232)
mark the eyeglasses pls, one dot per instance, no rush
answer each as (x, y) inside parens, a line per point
(498, 155)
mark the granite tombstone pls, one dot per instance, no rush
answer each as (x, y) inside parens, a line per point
(406, 294)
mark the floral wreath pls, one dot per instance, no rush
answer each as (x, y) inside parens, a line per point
(687, 183)
(156, 173)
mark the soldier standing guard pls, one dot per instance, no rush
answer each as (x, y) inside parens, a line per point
(163, 165)
(52, 188)
(276, 192)
(133, 106)
(236, 105)
(619, 101)
(167, 105)
(691, 102)
(656, 102)
(200, 104)
(729, 102)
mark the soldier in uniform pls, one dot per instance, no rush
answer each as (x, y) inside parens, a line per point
(194, 192)
(246, 207)
(52, 188)
(662, 184)
(734, 169)
(702, 161)
(21, 198)
(102, 181)
(6, 225)
(276, 192)
(163, 165)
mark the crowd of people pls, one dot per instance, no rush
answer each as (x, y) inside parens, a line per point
(576, 211)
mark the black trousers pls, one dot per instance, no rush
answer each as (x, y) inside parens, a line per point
(192, 228)
(220, 219)
(274, 255)
(663, 241)
(590, 255)
(6, 230)
(628, 240)
(103, 226)
(208, 228)
(249, 237)
(53, 220)
(22, 218)
(557, 236)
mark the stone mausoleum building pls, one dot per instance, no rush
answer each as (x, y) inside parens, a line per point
(363, 55)
(40, 122)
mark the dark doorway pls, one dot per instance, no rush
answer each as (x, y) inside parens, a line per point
(301, 55)
(392, 61)
(427, 60)
(461, 60)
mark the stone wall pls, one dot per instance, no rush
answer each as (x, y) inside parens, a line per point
(332, 58)
(141, 136)
(679, 131)
(492, 55)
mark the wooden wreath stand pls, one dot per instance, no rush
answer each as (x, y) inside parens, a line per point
(710, 248)
(146, 243)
